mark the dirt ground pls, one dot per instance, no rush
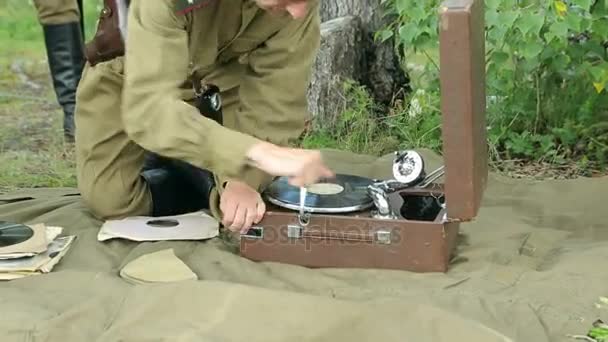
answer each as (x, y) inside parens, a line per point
(32, 152)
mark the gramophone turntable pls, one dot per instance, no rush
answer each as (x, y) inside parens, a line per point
(409, 222)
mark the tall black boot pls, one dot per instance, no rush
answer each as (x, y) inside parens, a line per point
(81, 12)
(65, 52)
(178, 188)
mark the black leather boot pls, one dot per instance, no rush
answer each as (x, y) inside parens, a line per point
(81, 14)
(178, 188)
(65, 52)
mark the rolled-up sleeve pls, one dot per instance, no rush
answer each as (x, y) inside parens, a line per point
(154, 114)
(273, 91)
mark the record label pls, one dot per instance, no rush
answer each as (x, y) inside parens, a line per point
(14, 233)
(325, 189)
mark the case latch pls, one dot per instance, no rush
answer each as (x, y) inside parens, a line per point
(383, 237)
(254, 232)
(295, 231)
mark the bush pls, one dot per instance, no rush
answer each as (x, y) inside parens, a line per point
(364, 127)
(547, 74)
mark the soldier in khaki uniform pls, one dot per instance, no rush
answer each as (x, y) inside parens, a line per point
(258, 52)
(62, 25)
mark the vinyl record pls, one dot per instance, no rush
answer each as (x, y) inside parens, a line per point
(344, 193)
(14, 233)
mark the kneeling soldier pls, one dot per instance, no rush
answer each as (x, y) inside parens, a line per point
(146, 142)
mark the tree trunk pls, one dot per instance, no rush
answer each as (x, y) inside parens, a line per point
(382, 72)
(340, 58)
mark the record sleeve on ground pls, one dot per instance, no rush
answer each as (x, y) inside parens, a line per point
(14, 233)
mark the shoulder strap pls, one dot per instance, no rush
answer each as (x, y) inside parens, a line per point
(122, 6)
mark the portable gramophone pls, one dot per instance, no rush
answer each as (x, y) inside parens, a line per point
(410, 222)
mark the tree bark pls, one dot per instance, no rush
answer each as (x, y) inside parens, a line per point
(382, 72)
(340, 58)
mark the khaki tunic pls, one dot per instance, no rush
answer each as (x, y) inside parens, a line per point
(53, 12)
(260, 61)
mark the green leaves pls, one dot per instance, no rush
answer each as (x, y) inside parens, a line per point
(599, 75)
(417, 14)
(500, 57)
(402, 5)
(492, 4)
(500, 23)
(600, 334)
(559, 30)
(408, 33)
(600, 27)
(504, 19)
(417, 26)
(507, 18)
(384, 35)
(574, 22)
(560, 61)
(546, 65)
(530, 23)
(531, 49)
(583, 4)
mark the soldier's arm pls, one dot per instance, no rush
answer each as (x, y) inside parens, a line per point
(154, 115)
(273, 91)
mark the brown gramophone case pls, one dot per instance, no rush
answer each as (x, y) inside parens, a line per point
(360, 241)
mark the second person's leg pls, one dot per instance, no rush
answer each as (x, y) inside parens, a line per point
(61, 21)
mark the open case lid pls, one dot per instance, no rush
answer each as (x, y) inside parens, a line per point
(462, 73)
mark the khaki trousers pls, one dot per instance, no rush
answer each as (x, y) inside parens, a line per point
(52, 12)
(109, 164)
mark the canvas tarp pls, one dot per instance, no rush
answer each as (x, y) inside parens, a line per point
(531, 268)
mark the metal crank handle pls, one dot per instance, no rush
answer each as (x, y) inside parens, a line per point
(303, 217)
(431, 177)
(303, 191)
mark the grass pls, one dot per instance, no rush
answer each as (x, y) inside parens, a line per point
(32, 153)
(365, 128)
(415, 122)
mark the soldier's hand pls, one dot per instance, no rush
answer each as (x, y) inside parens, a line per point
(303, 167)
(241, 206)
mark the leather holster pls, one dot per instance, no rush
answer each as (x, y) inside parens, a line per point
(108, 42)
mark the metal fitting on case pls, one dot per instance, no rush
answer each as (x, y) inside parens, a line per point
(294, 231)
(254, 233)
(383, 237)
